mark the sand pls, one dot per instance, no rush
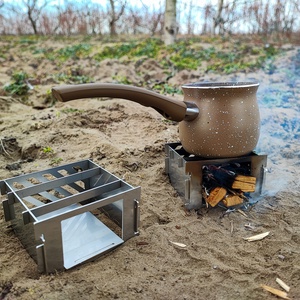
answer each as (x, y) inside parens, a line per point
(128, 140)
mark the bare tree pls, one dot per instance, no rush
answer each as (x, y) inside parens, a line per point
(190, 22)
(208, 12)
(85, 16)
(227, 14)
(171, 27)
(34, 10)
(143, 20)
(155, 22)
(2, 18)
(95, 21)
(94, 17)
(68, 18)
(218, 20)
(115, 15)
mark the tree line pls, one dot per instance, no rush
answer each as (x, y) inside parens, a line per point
(119, 17)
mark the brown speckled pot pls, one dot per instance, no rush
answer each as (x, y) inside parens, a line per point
(219, 119)
(228, 122)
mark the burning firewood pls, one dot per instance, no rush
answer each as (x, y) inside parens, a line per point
(227, 183)
(216, 195)
(232, 200)
(244, 183)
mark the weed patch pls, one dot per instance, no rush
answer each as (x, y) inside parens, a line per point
(74, 52)
(71, 110)
(148, 48)
(70, 78)
(164, 88)
(223, 57)
(19, 85)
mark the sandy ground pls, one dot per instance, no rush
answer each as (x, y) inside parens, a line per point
(128, 140)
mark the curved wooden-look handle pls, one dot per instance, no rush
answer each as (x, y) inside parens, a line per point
(171, 109)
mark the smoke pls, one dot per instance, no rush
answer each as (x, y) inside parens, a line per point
(279, 98)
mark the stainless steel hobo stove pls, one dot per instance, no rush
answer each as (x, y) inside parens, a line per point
(70, 214)
(186, 172)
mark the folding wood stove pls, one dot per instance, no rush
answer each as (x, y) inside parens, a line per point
(56, 213)
(186, 172)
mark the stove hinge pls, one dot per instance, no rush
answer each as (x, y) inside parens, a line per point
(188, 189)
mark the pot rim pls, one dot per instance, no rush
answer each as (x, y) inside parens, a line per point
(221, 85)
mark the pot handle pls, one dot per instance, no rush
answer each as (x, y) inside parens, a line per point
(171, 109)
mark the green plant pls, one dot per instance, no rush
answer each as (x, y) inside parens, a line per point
(122, 79)
(222, 56)
(19, 85)
(167, 89)
(47, 149)
(70, 110)
(74, 52)
(56, 161)
(49, 98)
(29, 40)
(63, 54)
(116, 51)
(46, 52)
(149, 47)
(4, 50)
(63, 77)
(185, 56)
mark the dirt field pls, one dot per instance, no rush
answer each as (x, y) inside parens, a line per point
(128, 140)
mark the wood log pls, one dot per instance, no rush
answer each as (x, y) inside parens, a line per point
(216, 195)
(232, 200)
(244, 183)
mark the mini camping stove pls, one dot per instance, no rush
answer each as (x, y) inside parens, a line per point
(70, 214)
(186, 172)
